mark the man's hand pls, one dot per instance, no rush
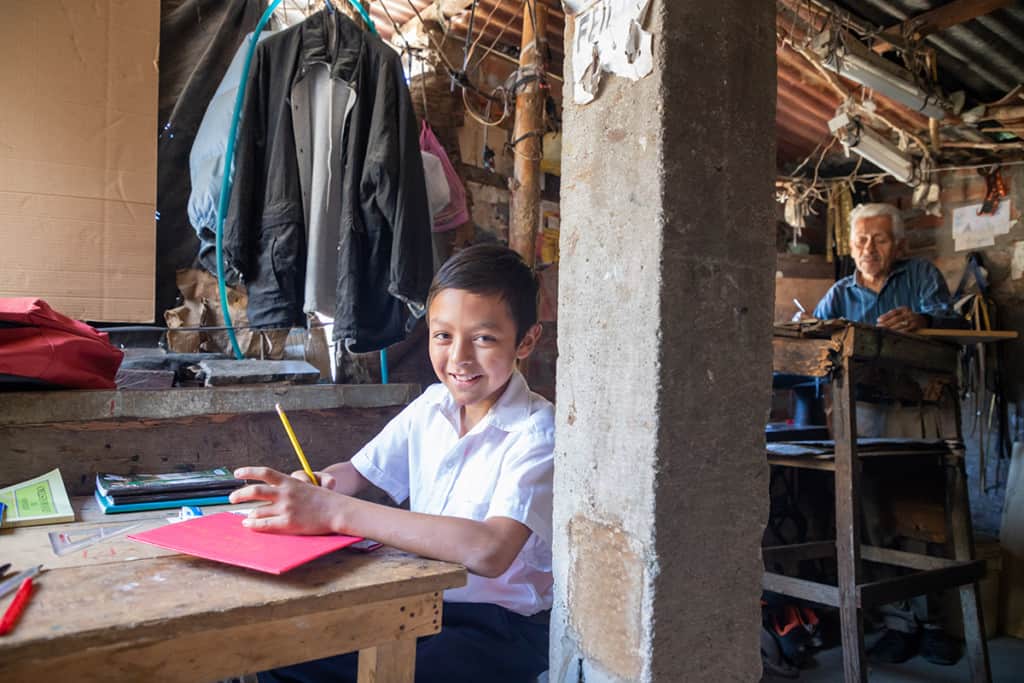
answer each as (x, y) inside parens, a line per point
(902, 319)
(295, 507)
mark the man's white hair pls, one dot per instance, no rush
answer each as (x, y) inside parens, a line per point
(871, 210)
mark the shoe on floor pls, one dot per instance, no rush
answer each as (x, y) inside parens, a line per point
(895, 647)
(938, 648)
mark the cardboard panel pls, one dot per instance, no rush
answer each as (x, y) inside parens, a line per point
(79, 84)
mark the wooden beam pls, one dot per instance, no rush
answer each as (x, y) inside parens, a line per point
(919, 583)
(821, 593)
(808, 357)
(815, 550)
(939, 19)
(527, 136)
(481, 176)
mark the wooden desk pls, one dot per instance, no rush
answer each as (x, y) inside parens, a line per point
(902, 365)
(125, 611)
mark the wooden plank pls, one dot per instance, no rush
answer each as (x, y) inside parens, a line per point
(815, 550)
(1011, 539)
(901, 558)
(919, 583)
(256, 371)
(81, 450)
(969, 336)
(875, 345)
(394, 662)
(848, 519)
(810, 266)
(237, 648)
(128, 604)
(961, 531)
(483, 176)
(39, 407)
(821, 593)
(803, 462)
(797, 356)
(951, 14)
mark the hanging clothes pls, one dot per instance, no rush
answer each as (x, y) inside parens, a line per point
(368, 178)
(206, 159)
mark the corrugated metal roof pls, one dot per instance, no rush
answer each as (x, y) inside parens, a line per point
(984, 57)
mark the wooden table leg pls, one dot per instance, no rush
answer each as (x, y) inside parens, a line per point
(847, 478)
(394, 662)
(958, 523)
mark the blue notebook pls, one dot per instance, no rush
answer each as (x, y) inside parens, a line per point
(109, 507)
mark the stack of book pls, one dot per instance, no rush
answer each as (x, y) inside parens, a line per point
(133, 492)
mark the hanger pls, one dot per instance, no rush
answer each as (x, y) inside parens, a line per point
(359, 8)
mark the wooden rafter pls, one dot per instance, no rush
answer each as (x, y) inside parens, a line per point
(939, 19)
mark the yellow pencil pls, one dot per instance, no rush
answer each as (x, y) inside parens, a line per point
(295, 444)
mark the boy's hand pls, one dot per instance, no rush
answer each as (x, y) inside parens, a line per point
(326, 480)
(294, 507)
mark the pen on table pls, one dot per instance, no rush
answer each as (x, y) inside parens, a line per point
(8, 585)
(295, 445)
(16, 607)
(798, 305)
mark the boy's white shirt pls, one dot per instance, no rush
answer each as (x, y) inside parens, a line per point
(502, 468)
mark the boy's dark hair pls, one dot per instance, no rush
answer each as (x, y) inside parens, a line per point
(492, 269)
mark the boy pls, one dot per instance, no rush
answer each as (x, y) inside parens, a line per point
(474, 457)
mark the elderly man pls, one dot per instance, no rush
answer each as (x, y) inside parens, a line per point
(902, 294)
(887, 290)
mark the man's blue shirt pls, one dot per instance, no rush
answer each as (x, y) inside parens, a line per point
(914, 283)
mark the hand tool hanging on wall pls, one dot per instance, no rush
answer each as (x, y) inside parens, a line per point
(980, 370)
(994, 192)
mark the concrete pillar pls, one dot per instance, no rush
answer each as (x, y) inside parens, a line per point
(664, 370)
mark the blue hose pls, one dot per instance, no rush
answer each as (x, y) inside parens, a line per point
(363, 13)
(229, 156)
(225, 187)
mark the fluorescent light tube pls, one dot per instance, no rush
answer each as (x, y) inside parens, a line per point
(873, 146)
(852, 59)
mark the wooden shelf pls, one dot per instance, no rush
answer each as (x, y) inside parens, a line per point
(969, 336)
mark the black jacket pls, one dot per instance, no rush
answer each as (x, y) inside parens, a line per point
(384, 252)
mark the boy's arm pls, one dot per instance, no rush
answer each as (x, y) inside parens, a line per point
(486, 548)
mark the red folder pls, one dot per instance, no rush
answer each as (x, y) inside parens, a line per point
(221, 537)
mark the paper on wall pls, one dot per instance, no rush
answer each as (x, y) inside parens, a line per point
(609, 37)
(971, 231)
(1017, 264)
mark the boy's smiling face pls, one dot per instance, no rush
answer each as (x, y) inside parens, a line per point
(473, 348)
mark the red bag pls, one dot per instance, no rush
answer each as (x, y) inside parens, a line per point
(40, 346)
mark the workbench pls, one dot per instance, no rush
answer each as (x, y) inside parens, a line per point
(902, 367)
(121, 610)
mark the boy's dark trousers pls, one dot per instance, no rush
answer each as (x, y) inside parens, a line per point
(477, 642)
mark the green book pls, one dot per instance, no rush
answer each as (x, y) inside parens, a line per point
(42, 500)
